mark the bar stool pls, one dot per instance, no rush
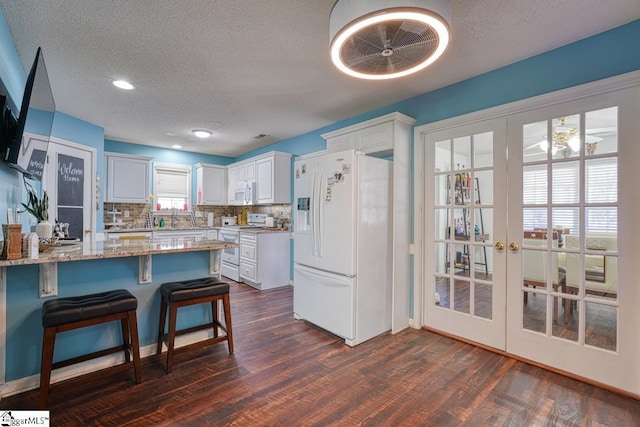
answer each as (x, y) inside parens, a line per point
(189, 292)
(65, 314)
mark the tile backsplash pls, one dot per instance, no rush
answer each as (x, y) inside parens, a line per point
(138, 214)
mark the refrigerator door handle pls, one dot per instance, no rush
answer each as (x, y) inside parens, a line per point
(324, 277)
(312, 212)
(320, 212)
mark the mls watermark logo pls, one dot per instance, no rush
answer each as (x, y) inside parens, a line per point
(24, 418)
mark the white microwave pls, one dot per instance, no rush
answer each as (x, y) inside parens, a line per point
(244, 193)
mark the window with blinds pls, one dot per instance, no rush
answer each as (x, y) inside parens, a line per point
(600, 189)
(172, 184)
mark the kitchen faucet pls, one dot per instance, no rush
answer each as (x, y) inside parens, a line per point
(173, 218)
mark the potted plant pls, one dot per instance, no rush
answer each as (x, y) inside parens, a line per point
(39, 208)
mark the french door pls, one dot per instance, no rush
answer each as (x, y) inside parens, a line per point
(466, 292)
(572, 300)
(530, 235)
(69, 179)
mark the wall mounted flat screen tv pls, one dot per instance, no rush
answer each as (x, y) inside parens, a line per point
(25, 139)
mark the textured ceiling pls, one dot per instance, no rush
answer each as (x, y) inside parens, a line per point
(248, 67)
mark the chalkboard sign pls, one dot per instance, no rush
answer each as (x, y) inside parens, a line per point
(70, 181)
(36, 164)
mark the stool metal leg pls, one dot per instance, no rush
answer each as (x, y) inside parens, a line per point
(48, 343)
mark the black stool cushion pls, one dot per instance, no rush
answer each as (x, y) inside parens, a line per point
(192, 289)
(72, 309)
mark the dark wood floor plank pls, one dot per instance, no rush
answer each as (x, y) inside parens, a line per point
(289, 372)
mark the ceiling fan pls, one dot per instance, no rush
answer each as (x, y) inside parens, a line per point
(566, 139)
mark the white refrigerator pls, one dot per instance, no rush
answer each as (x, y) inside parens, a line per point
(342, 244)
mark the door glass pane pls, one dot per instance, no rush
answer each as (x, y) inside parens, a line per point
(441, 258)
(565, 182)
(564, 221)
(462, 152)
(461, 260)
(483, 300)
(534, 312)
(602, 222)
(461, 295)
(534, 185)
(535, 139)
(442, 190)
(463, 189)
(483, 187)
(565, 318)
(601, 180)
(565, 137)
(601, 325)
(461, 223)
(482, 261)
(441, 221)
(533, 219)
(483, 150)
(534, 266)
(443, 156)
(442, 292)
(482, 220)
(601, 128)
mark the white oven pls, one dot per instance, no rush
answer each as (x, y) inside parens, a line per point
(230, 256)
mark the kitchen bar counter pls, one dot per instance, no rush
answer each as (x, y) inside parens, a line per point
(119, 249)
(139, 266)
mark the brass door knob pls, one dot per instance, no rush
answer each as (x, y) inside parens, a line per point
(499, 246)
(514, 246)
(88, 230)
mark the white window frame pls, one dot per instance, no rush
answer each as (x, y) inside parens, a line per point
(159, 167)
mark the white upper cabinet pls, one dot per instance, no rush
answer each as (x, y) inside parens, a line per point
(127, 178)
(271, 172)
(343, 142)
(273, 178)
(211, 182)
(238, 174)
(374, 137)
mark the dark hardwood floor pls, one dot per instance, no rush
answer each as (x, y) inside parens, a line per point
(289, 373)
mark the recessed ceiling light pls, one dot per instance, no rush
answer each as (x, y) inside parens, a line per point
(201, 133)
(176, 146)
(123, 84)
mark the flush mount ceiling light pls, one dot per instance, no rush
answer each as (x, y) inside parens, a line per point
(385, 39)
(201, 133)
(123, 84)
(176, 146)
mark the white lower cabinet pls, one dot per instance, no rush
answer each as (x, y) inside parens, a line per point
(264, 259)
(169, 234)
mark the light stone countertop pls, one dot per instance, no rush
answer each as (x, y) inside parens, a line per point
(149, 230)
(120, 249)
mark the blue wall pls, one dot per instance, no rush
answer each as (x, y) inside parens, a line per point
(605, 55)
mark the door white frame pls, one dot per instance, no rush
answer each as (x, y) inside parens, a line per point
(423, 270)
(91, 202)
